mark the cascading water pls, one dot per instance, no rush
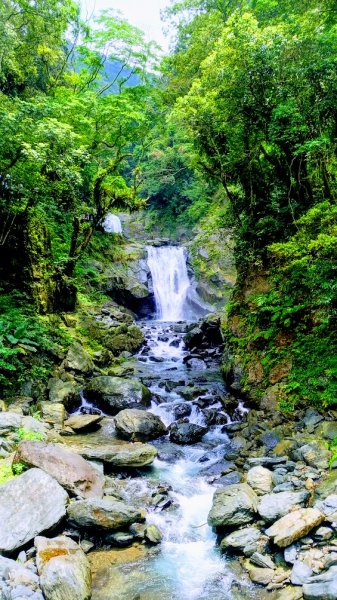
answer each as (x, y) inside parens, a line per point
(170, 282)
(112, 224)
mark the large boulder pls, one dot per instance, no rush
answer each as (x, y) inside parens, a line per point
(243, 541)
(295, 525)
(105, 513)
(121, 455)
(139, 425)
(9, 421)
(29, 504)
(71, 471)
(63, 568)
(113, 394)
(322, 587)
(260, 479)
(186, 433)
(64, 392)
(78, 359)
(233, 505)
(274, 506)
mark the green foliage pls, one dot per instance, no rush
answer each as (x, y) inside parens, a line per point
(24, 434)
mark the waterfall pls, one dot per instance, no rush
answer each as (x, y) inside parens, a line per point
(170, 282)
(112, 224)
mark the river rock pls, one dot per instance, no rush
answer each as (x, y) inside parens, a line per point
(322, 587)
(63, 568)
(83, 422)
(314, 455)
(233, 505)
(328, 507)
(300, 573)
(71, 471)
(274, 506)
(64, 392)
(113, 394)
(139, 425)
(186, 433)
(260, 575)
(262, 560)
(29, 504)
(121, 455)
(328, 487)
(260, 479)
(52, 412)
(295, 525)
(244, 540)
(153, 534)
(17, 581)
(9, 421)
(105, 513)
(78, 359)
(329, 430)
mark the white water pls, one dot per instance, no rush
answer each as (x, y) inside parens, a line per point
(170, 281)
(112, 224)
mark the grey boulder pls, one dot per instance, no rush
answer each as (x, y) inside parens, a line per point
(29, 504)
(274, 506)
(106, 513)
(72, 471)
(113, 394)
(322, 587)
(233, 505)
(134, 424)
(186, 433)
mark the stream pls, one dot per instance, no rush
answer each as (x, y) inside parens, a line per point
(187, 565)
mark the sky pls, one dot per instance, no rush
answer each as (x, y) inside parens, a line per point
(145, 14)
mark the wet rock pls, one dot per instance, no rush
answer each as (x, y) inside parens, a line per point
(274, 506)
(113, 394)
(120, 538)
(233, 505)
(300, 573)
(295, 525)
(63, 568)
(260, 479)
(42, 506)
(230, 479)
(139, 425)
(105, 513)
(71, 471)
(78, 359)
(153, 534)
(182, 410)
(121, 455)
(322, 587)
(186, 433)
(83, 422)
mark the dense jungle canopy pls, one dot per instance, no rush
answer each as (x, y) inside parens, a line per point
(235, 128)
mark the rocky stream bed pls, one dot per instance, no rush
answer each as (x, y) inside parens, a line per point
(155, 481)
